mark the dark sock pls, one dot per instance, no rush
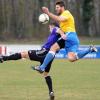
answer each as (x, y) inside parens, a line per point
(49, 83)
(15, 56)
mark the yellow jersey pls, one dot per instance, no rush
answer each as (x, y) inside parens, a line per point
(68, 25)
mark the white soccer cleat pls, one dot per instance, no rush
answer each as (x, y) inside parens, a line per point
(93, 48)
(52, 96)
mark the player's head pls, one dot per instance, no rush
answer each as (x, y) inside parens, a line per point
(53, 25)
(60, 7)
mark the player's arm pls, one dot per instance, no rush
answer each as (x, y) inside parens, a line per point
(54, 17)
(57, 18)
(59, 31)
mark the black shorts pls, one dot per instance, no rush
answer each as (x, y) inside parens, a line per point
(39, 55)
(61, 43)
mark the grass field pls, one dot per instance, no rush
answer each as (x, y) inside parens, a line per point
(72, 81)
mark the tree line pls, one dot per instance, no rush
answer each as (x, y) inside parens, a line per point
(19, 18)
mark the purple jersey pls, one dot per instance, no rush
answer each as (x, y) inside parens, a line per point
(53, 37)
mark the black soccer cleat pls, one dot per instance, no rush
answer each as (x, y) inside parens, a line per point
(1, 59)
(52, 96)
(93, 48)
(37, 68)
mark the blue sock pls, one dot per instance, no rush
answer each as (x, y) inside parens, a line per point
(49, 57)
(81, 54)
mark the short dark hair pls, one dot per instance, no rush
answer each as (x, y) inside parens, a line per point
(60, 3)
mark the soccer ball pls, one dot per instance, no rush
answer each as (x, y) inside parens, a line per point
(43, 18)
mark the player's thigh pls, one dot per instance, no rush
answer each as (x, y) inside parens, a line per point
(72, 52)
(55, 47)
(25, 54)
(58, 45)
(37, 55)
(72, 38)
(61, 43)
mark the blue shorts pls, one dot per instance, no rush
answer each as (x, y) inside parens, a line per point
(72, 42)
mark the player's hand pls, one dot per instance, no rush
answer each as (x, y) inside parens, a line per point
(45, 10)
(64, 36)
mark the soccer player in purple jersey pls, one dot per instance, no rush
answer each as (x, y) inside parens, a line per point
(39, 55)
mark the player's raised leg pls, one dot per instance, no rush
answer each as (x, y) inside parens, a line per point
(15, 56)
(49, 57)
(75, 56)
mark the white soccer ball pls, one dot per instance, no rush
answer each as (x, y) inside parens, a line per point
(43, 18)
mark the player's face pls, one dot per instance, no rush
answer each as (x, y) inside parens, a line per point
(58, 9)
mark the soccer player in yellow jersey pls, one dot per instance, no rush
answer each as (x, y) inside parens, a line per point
(69, 39)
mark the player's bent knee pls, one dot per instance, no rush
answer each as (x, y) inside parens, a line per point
(55, 47)
(45, 74)
(71, 57)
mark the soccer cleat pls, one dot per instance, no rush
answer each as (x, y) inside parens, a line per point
(37, 68)
(93, 48)
(51, 94)
(1, 59)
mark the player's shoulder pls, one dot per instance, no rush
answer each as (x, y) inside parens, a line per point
(67, 12)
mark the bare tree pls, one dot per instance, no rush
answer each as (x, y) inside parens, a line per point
(19, 18)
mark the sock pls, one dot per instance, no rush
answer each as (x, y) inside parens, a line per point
(81, 54)
(49, 83)
(15, 56)
(49, 57)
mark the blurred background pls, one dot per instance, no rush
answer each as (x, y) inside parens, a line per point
(19, 19)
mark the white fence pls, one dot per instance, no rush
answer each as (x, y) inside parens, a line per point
(10, 49)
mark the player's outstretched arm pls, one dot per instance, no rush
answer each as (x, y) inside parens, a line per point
(53, 16)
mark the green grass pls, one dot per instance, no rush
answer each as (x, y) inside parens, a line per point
(72, 81)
